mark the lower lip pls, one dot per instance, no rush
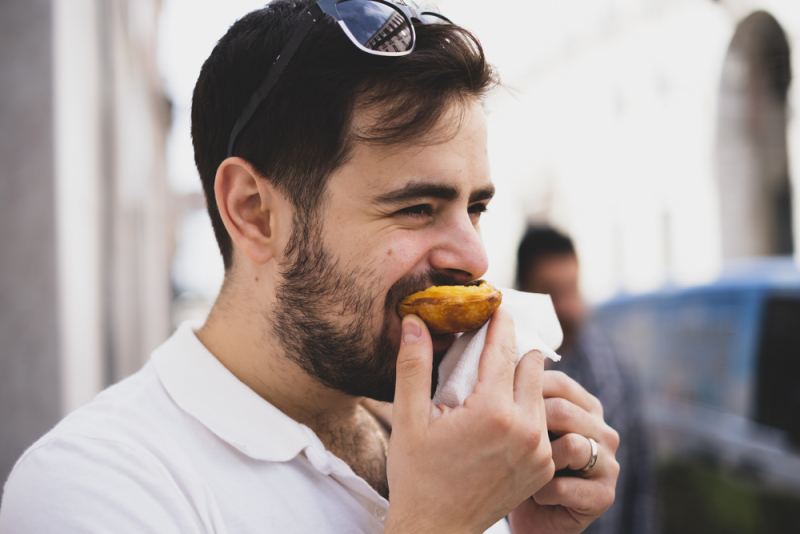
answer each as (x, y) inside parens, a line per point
(442, 341)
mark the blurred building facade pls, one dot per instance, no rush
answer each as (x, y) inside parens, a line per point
(85, 228)
(659, 133)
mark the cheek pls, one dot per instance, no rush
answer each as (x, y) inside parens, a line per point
(401, 256)
(396, 260)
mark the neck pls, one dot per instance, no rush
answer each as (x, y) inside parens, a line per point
(239, 335)
(237, 332)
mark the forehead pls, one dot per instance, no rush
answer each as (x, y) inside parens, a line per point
(454, 154)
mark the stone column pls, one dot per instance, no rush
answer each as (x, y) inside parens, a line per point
(30, 396)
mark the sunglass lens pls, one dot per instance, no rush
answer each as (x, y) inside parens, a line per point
(376, 26)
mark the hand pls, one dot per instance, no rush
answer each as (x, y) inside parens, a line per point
(468, 468)
(568, 504)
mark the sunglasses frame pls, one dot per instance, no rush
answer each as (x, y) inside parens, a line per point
(309, 17)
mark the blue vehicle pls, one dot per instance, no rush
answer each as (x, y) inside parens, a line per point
(719, 368)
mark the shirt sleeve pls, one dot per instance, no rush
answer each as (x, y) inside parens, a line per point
(90, 485)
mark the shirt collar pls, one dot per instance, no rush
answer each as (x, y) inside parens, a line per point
(206, 390)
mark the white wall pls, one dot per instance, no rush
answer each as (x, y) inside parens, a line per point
(114, 229)
(609, 132)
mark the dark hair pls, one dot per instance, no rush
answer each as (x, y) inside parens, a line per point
(304, 130)
(540, 242)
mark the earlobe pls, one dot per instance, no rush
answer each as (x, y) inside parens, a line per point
(247, 205)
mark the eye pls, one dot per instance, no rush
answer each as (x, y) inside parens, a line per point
(477, 209)
(420, 210)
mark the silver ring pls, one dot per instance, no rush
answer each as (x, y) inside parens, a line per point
(593, 459)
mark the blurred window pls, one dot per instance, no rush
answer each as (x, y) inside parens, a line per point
(778, 389)
(683, 348)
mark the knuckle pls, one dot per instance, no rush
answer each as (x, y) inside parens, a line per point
(607, 498)
(578, 490)
(612, 438)
(532, 437)
(411, 365)
(574, 445)
(502, 420)
(559, 378)
(584, 492)
(508, 350)
(597, 406)
(567, 385)
(562, 488)
(531, 360)
(549, 469)
(613, 466)
(559, 408)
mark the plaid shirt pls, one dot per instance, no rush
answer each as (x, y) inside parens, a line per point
(593, 364)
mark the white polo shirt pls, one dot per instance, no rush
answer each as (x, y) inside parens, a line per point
(183, 446)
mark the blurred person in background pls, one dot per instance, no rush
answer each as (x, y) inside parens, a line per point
(547, 263)
(337, 183)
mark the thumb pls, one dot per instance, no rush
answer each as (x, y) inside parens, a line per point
(412, 397)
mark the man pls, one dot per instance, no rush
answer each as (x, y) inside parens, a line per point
(342, 176)
(547, 263)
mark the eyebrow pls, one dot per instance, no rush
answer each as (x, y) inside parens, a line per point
(416, 191)
(484, 193)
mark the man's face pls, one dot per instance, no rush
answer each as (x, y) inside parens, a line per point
(557, 275)
(396, 220)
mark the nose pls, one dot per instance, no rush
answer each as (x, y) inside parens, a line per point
(459, 250)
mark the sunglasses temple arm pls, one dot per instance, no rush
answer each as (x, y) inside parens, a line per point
(310, 18)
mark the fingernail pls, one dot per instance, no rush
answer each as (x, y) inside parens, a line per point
(411, 331)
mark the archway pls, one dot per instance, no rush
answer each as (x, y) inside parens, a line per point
(752, 162)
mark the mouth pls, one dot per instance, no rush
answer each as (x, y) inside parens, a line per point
(442, 342)
(414, 284)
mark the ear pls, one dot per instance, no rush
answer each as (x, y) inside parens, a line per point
(249, 206)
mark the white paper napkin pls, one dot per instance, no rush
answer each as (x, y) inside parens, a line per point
(536, 327)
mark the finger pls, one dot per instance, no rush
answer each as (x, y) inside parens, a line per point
(529, 516)
(528, 381)
(557, 384)
(412, 397)
(572, 451)
(499, 358)
(583, 496)
(563, 417)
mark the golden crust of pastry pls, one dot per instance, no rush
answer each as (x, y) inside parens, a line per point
(449, 309)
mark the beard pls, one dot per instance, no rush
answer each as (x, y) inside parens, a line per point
(325, 318)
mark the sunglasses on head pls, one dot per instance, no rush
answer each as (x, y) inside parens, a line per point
(377, 27)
